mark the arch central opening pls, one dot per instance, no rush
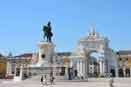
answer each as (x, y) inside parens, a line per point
(93, 63)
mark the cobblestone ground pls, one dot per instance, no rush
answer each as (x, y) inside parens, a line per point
(93, 82)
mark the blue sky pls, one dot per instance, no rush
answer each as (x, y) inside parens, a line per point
(21, 23)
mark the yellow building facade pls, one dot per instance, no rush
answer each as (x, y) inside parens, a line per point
(124, 63)
(3, 67)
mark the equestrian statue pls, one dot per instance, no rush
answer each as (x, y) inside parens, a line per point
(47, 30)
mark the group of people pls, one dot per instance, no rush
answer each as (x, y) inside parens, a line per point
(44, 80)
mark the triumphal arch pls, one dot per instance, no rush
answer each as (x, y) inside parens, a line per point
(83, 64)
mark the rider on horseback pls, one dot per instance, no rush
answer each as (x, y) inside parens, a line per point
(47, 32)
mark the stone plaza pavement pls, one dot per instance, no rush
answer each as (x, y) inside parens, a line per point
(93, 82)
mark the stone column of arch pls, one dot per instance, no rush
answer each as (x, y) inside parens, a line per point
(87, 56)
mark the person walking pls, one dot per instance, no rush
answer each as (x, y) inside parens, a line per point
(42, 80)
(111, 82)
(52, 80)
(45, 80)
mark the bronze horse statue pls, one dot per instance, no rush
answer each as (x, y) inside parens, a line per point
(47, 32)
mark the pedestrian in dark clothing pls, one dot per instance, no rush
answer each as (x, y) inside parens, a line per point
(44, 80)
(52, 80)
(41, 80)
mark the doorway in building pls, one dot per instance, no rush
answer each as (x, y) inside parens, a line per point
(70, 73)
(121, 73)
(62, 73)
(112, 71)
(127, 72)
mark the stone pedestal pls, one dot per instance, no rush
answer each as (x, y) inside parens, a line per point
(46, 59)
(46, 52)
